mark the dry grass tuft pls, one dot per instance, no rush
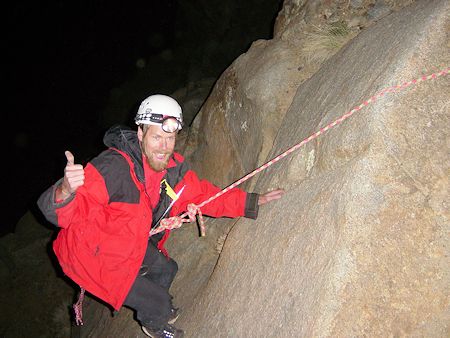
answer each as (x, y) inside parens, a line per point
(325, 41)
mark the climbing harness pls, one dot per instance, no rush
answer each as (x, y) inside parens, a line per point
(176, 221)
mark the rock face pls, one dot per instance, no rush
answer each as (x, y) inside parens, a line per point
(359, 244)
(34, 298)
(248, 104)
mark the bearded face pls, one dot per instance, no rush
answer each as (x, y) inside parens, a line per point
(157, 146)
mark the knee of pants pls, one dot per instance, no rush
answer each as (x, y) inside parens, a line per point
(164, 265)
(167, 273)
(172, 267)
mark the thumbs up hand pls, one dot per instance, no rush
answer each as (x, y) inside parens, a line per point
(70, 158)
(73, 177)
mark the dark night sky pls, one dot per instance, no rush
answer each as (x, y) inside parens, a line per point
(64, 57)
(62, 60)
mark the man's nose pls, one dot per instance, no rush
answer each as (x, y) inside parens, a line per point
(164, 144)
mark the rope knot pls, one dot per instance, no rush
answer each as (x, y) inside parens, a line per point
(171, 223)
(176, 222)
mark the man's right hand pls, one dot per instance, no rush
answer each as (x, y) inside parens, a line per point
(73, 178)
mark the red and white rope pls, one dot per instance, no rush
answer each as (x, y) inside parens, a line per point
(321, 131)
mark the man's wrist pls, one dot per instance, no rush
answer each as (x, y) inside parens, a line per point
(251, 206)
(61, 194)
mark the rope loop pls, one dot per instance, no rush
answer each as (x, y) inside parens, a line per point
(193, 210)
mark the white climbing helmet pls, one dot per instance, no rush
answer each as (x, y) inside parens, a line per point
(160, 110)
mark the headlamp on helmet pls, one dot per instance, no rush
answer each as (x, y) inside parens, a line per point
(160, 110)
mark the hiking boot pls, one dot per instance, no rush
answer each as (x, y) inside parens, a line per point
(174, 314)
(168, 331)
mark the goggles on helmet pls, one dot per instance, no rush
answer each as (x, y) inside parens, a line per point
(168, 123)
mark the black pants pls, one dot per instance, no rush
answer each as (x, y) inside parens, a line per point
(149, 295)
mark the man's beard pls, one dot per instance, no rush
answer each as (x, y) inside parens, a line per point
(156, 165)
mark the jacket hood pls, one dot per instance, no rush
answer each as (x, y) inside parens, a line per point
(125, 139)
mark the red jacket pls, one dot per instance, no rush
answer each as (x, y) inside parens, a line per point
(105, 224)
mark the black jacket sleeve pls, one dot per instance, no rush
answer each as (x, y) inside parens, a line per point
(251, 205)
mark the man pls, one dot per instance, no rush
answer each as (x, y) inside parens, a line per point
(107, 209)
